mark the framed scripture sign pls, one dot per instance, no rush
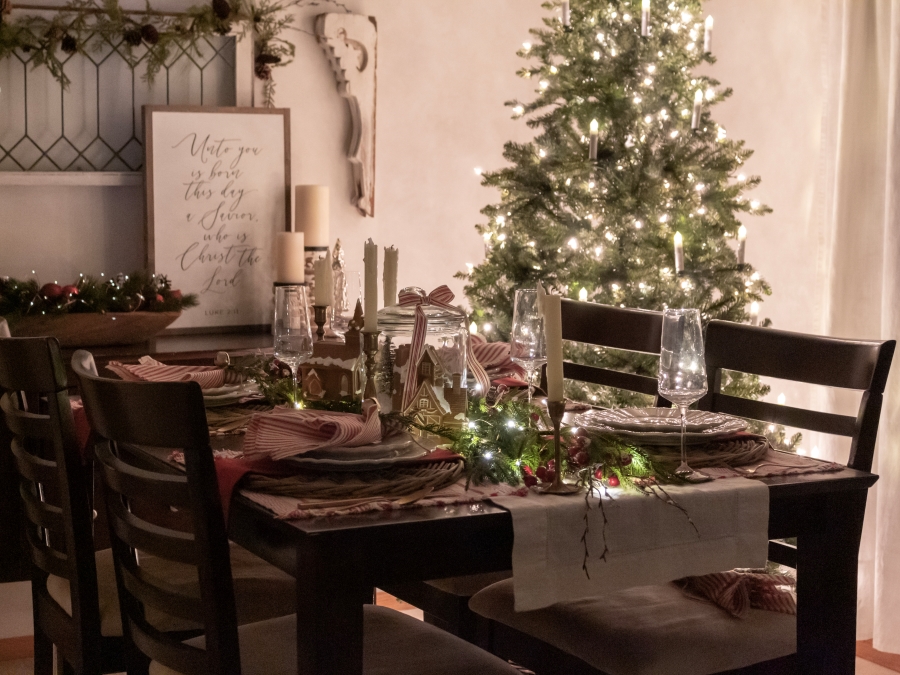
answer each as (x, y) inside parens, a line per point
(217, 186)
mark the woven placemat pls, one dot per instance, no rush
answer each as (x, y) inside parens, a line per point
(397, 481)
(727, 453)
(229, 420)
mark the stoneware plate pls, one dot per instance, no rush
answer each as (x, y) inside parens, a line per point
(661, 426)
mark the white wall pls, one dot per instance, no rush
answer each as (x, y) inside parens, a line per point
(444, 71)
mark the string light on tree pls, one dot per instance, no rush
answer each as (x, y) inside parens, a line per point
(641, 140)
(742, 244)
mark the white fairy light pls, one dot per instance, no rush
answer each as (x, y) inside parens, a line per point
(573, 244)
(648, 119)
(651, 68)
(626, 18)
(664, 218)
(470, 267)
(568, 181)
(473, 328)
(486, 328)
(487, 236)
(542, 153)
(472, 425)
(501, 236)
(710, 94)
(741, 178)
(596, 55)
(674, 134)
(582, 294)
(554, 69)
(638, 224)
(754, 205)
(544, 84)
(615, 287)
(531, 244)
(648, 81)
(601, 37)
(721, 134)
(598, 251)
(526, 46)
(591, 185)
(609, 236)
(686, 17)
(519, 110)
(685, 112)
(691, 46)
(782, 399)
(702, 210)
(501, 220)
(637, 99)
(478, 170)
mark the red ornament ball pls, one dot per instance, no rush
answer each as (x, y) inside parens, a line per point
(613, 481)
(551, 465)
(51, 291)
(541, 472)
(529, 480)
(551, 474)
(535, 417)
(598, 474)
(175, 293)
(69, 291)
(160, 298)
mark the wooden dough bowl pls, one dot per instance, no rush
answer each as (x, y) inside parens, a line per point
(93, 330)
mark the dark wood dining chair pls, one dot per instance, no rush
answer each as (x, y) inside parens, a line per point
(656, 628)
(171, 415)
(636, 331)
(69, 609)
(445, 602)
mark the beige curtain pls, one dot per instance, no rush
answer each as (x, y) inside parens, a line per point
(859, 262)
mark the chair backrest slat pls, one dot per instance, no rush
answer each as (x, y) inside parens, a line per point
(833, 362)
(631, 330)
(827, 423)
(611, 378)
(164, 415)
(55, 491)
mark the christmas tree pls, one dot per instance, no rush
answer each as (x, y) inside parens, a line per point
(627, 165)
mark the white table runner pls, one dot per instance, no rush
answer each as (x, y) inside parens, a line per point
(649, 541)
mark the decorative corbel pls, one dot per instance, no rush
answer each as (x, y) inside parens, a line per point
(350, 42)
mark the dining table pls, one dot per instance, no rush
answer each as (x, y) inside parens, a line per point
(338, 561)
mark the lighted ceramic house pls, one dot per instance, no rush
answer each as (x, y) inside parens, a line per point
(439, 406)
(336, 369)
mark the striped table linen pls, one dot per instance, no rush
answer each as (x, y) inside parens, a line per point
(494, 356)
(737, 592)
(150, 370)
(285, 432)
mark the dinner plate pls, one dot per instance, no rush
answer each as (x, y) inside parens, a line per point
(394, 446)
(358, 463)
(667, 431)
(230, 397)
(658, 419)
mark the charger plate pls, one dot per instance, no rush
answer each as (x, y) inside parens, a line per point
(398, 448)
(661, 426)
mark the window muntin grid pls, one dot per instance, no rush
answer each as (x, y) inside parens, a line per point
(95, 124)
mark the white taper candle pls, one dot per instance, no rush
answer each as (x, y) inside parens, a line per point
(289, 258)
(679, 253)
(390, 276)
(371, 287)
(698, 108)
(566, 19)
(324, 281)
(707, 33)
(645, 18)
(742, 243)
(553, 335)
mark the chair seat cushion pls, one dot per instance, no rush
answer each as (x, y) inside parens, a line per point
(647, 630)
(261, 591)
(395, 644)
(467, 586)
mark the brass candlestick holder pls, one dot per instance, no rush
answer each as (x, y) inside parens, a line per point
(556, 410)
(370, 347)
(320, 316)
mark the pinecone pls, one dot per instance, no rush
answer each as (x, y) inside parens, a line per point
(150, 34)
(132, 37)
(263, 71)
(221, 9)
(267, 59)
(68, 44)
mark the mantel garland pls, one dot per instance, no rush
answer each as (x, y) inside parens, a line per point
(85, 25)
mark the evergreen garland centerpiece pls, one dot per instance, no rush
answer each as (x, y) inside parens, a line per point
(630, 193)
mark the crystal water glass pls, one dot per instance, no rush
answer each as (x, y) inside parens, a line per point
(293, 336)
(527, 346)
(682, 371)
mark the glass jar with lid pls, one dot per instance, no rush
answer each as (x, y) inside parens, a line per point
(431, 385)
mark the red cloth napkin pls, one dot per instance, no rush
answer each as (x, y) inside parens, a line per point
(737, 592)
(285, 432)
(150, 370)
(494, 356)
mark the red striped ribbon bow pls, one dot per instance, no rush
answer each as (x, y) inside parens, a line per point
(441, 296)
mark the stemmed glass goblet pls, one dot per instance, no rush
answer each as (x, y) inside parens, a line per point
(527, 347)
(293, 336)
(682, 371)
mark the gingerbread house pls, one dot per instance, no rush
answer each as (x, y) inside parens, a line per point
(336, 369)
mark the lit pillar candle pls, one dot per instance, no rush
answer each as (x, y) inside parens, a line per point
(553, 336)
(566, 19)
(707, 34)
(371, 287)
(390, 276)
(698, 107)
(595, 136)
(754, 313)
(645, 18)
(742, 244)
(679, 253)
(289, 258)
(324, 281)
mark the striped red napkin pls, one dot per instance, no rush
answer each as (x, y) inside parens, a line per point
(151, 370)
(285, 432)
(494, 356)
(737, 592)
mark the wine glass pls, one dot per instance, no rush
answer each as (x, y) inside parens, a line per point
(682, 371)
(527, 347)
(293, 336)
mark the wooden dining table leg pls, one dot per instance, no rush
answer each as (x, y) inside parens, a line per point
(827, 559)
(330, 599)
